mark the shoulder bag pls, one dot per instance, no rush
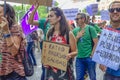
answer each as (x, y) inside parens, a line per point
(28, 66)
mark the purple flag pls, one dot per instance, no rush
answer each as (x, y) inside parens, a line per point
(26, 27)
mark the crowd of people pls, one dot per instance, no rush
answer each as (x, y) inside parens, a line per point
(82, 39)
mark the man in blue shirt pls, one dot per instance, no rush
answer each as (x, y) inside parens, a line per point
(114, 11)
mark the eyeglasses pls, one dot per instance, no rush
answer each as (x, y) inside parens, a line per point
(111, 10)
(77, 19)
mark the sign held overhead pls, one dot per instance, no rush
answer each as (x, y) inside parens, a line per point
(41, 2)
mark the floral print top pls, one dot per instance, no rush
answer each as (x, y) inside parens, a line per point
(59, 39)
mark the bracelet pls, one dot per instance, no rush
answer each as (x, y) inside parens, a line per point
(6, 35)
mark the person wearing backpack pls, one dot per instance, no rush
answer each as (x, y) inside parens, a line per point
(85, 35)
(97, 28)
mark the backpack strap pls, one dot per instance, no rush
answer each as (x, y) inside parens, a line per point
(44, 26)
(91, 38)
(67, 37)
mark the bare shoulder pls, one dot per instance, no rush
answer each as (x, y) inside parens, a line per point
(71, 34)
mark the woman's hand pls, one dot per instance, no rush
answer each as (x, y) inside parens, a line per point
(68, 56)
(36, 5)
(4, 25)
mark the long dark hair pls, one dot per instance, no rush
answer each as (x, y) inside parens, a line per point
(64, 29)
(9, 14)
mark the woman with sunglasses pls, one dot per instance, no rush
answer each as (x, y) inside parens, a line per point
(114, 11)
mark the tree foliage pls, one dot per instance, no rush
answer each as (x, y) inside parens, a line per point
(22, 9)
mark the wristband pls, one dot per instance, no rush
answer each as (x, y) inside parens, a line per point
(6, 35)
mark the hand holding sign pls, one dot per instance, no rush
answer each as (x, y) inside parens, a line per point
(102, 67)
(108, 49)
(36, 5)
(68, 57)
(54, 54)
(41, 2)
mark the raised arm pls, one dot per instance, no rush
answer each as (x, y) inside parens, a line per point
(31, 18)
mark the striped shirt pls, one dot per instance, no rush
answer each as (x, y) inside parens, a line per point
(10, 63)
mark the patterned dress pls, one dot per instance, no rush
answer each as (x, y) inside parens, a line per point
(9, 63)
(53, 73)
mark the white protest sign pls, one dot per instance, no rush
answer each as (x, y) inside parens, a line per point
(108, 49)
(105, 15)
(92, 9)
(70, 13)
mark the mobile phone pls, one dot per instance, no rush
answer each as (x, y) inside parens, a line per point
(4, 8)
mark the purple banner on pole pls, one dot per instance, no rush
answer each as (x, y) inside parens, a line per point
(26, 27)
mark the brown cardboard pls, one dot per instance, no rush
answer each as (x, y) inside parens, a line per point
(41, 2)
(54, 54)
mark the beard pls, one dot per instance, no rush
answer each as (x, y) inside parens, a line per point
(115, 21)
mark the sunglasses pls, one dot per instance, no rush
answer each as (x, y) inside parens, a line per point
(77, 19)
(111, 10)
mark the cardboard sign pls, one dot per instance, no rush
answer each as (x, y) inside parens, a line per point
(54, 54)
(108, 49)
(41, 2)
(18, 1)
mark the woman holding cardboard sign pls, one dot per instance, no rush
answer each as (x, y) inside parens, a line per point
(59, 32)
(11, 67)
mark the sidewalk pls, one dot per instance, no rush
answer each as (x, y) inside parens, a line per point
(37, 69)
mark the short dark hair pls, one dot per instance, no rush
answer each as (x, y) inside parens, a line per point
(83, 15)
(113, 3)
